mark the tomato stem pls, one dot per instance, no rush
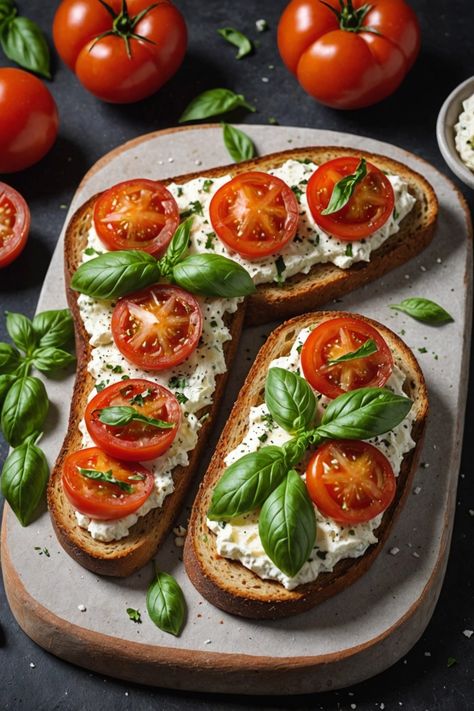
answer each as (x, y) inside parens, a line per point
(123, 25)
(350, 18)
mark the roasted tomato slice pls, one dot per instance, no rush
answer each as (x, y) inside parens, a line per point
(254, 214)
(135, 441)
(369, 207)
(88, 481)
(14, 224)
(157, 328)
(338, 337)
(137, 214)
(350, 481)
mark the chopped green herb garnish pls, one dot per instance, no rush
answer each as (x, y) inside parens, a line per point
(210, 236)
(297, 191)
(90, 251)
(195, 208)
(181, 398)
(134, 615)
(139, 398)
(177, 381)
(100, 386)
(349, 250)
(280, 267)
(206, 186)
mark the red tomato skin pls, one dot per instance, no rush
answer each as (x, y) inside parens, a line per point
(17, 242)
(75, 24)
(28, 120)
(349, 70)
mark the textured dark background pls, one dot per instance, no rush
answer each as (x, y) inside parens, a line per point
(89, 128)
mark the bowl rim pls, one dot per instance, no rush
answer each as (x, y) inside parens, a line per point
(452, 158)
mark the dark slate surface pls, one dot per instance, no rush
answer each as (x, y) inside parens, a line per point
(89, 129)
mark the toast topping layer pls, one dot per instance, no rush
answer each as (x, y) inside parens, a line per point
(239, 539)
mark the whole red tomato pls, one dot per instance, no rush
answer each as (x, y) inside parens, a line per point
(349, 53)
(120, 51)
(28, 120)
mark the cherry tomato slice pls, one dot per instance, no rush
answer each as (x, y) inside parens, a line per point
(101, 499)
(14, 224)
(369, 207)
(136, 441)
(136, 214)
(157, 328)
(350, 481)
(337, 337)
(254, 214)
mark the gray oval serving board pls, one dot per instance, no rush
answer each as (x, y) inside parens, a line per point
(352, 636)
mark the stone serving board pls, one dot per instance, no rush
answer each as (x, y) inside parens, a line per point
(355, 634)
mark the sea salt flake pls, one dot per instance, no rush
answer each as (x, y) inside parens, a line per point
(468, 633)
(394, 550)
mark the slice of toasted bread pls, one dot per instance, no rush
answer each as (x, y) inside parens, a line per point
(227, 583)
(123, 557)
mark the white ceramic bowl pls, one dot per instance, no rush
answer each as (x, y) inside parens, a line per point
(447, 118)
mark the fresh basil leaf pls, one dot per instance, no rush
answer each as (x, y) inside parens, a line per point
(10, 359)
(238, 39)
(134, 615)
(363, 413)
(212, 103)
(24, 410)
(50, 359)
(107, 477)
(177, 247)
(115, 274)
(294, 450)
(247, 483)
(287, 525)
(123, 414)
(6, 381)
(165, 604)
(54, 328)
(290, 400)
(343, 189)
(366, 349)
(20, 329)
(423, 310)
(24, 478)
(213, 275)
(238, 144)
(24, 43)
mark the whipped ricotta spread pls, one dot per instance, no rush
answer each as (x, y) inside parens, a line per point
(464, 133)
(239, 539)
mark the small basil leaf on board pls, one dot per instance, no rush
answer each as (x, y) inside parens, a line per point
(212, 103)
(20, 329)
(165, 604)
(423, 310)
(366, 349)
(177, 247)
(24, 478)
(343, 189)
(247, 483)
(239, 40)
(24, 410)
(115, 274)
(213, 275)
(24, 43)
(10, 359)
(6, 381)
(287, 525)
(122, 415)
(290, 400)
(363, 413)
(50, 359)
(53, 328)
(238, 144)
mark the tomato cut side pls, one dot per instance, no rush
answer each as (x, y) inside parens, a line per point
(136, 214)
(100, 499)
(136, 441)
(350, 481)
(157, 328)
(335, 338)
(14, 224)
(370, 205)
(255, 214)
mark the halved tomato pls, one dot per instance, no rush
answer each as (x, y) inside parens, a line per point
(350, 481)
(135, 441)
(338, 337)
(255, 214)
(136, 214)
(14, 224)
(89, 477)
(157, 328)
(369, 207)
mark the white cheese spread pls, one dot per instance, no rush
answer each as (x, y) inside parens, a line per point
(464, 133)
(239, 539)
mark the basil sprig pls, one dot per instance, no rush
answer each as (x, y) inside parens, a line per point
(177, 247)
(344, 188)
(122, 415)
(22, 40)
(106, 477)
(366, 349)
(423, 310)
(165, 603)
(24, 478)
(213, 103)
(115, 274)
(290, 400)
(239, 40)
(239, 145)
